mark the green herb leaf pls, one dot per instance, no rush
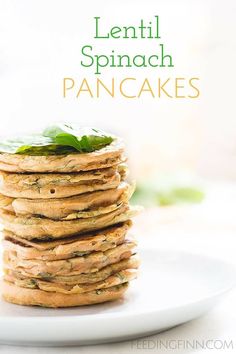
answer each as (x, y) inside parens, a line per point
(57, 140)
(168, 190)
(30, 145)
(82, 139)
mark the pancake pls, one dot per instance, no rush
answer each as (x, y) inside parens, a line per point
(5, 202)
(81, 206)
(85, 278)
(123, 170)
(42, 228)
(118, 278)
(72, 266)
(111, 155)
(66, 248)
(55, 185)
(35, 297)
(55, 214)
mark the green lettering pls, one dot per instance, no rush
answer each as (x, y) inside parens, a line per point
(97, 29)
(115, 30)
(87, 55)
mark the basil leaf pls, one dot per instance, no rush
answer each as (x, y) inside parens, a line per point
(177, 188)
(18, 144)
(82, 139)
(45, 150)
(57, 140)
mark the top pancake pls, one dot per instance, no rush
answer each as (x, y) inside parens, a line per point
(108, 156)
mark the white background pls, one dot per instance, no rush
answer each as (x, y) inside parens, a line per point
(40, 43)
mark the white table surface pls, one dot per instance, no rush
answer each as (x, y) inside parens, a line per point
(208, 228)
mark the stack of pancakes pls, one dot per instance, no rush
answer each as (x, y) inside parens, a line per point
(66, 220)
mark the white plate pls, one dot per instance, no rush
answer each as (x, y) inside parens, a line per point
(173, 287)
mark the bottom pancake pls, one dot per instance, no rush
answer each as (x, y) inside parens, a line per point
(34, 297)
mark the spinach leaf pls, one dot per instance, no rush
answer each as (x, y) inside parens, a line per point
(82, 139)
(57, 140)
